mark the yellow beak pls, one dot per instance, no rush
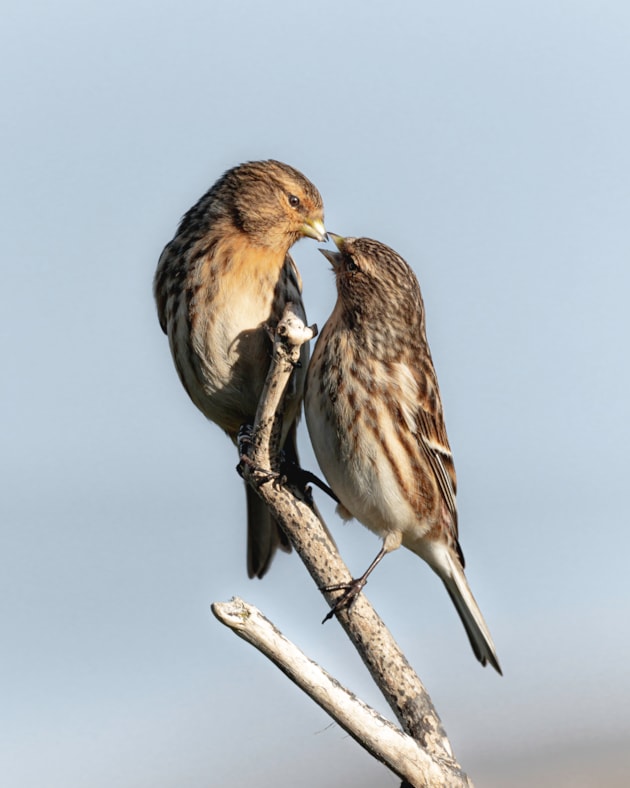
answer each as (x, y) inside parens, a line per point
(338, 240)
(314, 228)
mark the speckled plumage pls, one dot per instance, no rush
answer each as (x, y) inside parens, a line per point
(224, 277)
(375, 418)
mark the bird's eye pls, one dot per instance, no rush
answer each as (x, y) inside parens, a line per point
(352, 266)
(294, 201)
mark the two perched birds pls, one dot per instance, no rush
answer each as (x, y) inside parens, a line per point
(371, 395)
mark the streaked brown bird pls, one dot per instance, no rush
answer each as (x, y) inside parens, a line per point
(375, 420)
(225, 276)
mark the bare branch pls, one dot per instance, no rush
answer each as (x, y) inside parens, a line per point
(375, 733)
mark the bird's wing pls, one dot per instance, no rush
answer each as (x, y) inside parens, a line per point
(293, 272)
(160, 290)
(425, 417)
(437, 451)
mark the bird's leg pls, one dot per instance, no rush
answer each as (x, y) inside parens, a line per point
(244, 438)
(352, 589)
(290, 471)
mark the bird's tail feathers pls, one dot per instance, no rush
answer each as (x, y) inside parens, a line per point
(476, 628)
(264, 536)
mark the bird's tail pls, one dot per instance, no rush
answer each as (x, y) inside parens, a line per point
(264, 536)
(454, 579)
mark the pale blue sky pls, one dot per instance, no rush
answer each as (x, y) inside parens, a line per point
(488, 144)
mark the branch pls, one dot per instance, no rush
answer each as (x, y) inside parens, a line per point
(375, 733)
(401, 687)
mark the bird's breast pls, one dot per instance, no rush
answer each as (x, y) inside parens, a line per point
(359, 418)
(238, 292)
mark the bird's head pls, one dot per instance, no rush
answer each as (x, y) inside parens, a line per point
(373, 281)
(273, 203)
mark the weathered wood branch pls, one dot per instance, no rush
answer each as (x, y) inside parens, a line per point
(401, 687)
(376, 734)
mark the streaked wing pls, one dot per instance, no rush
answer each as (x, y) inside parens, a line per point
(432, 438)
(440, 460)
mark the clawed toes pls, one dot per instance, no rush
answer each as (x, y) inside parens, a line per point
(259, 475)
(301, 478)
(245, 440)
(350, 594)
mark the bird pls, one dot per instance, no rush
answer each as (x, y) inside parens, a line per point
(376, 423)
(221, 283)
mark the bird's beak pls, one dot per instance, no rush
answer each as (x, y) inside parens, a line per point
(334, 258)
(314, 228)
(338, 240)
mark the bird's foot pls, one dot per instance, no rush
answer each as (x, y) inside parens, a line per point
(260, 475)
(350, 594)
(245, 441)
(352, 589)
(301, 478)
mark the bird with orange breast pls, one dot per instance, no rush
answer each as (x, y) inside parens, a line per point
(222, 281)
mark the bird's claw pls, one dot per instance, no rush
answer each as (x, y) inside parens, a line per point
(302, 478)
(350, 594)
(245, 440)
(260, 475)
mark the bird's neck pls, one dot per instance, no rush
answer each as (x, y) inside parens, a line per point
(248, 260)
